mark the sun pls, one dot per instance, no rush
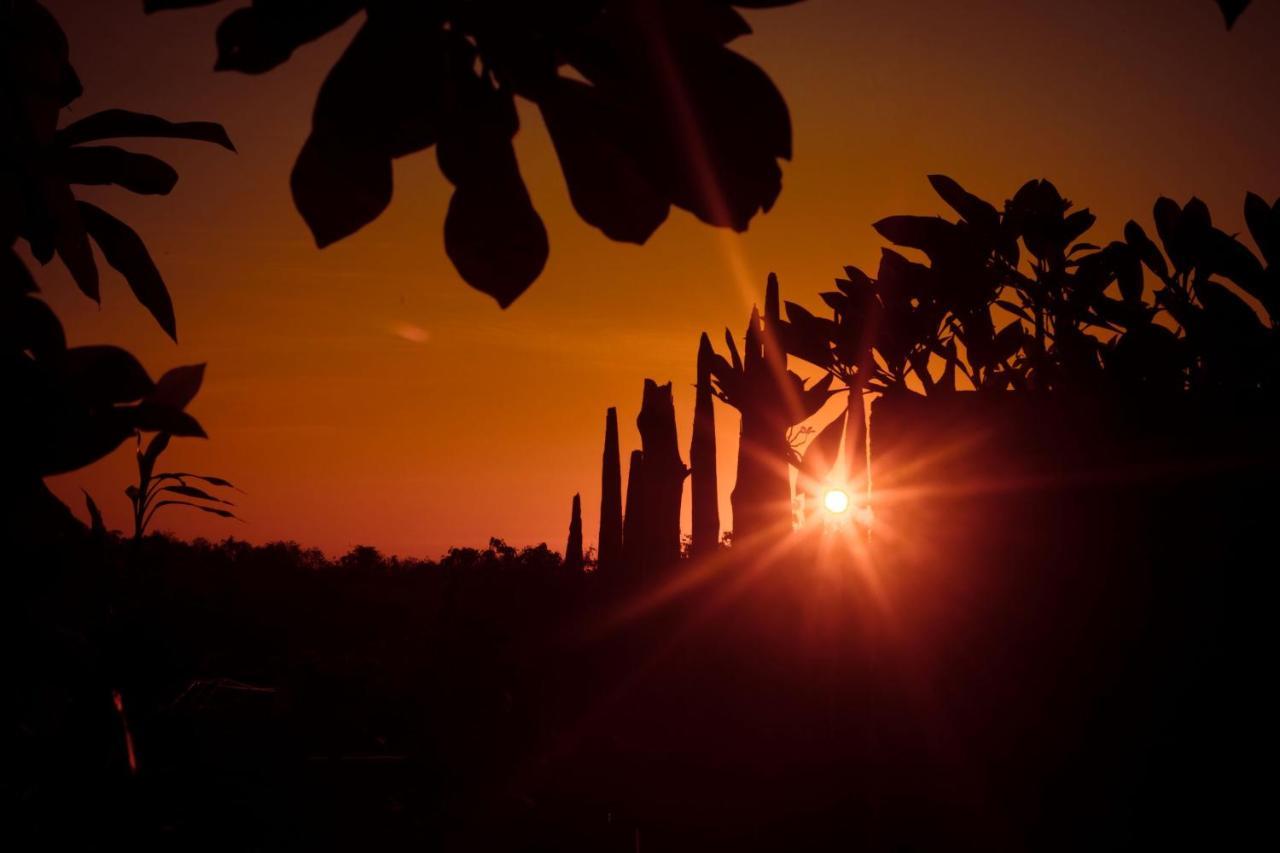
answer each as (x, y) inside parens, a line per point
(836, 501)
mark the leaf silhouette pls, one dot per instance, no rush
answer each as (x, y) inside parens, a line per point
(70, 240)
(1232, 9)
(107, 374)
(656, 111)
(96, 527)
(260, 37)
(128, 255)
(96, 165)
(115, 124)
(343, 177)
(177, 387)
(213, 481)
(211, 509)
(1264, 226)
(607, 185)
(193, 492)
(820, 456)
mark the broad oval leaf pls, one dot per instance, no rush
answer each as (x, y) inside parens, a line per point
(607, 185)
(339, 190)
(106, 374)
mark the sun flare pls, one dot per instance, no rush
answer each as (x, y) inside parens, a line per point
(836, 501)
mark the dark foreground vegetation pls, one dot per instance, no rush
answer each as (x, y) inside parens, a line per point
(1057, 639)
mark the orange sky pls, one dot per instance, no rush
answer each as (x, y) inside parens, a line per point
(364, 394)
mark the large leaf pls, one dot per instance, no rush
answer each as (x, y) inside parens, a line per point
(128, 255)
(339, 190)
(117, 124)
(343, 177)
(1146, 248)
(104, 164)
(607, 185)
(981, 214)
(106, 374)
(492, 234)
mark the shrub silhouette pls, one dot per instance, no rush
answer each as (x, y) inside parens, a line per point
(1015, 299)
(659, 110)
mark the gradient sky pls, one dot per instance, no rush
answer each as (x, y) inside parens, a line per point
(364, 394)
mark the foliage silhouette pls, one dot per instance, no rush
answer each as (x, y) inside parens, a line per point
(154, 491)
(646, 106)
(73, 405)
(1014, 299)
(770, 399)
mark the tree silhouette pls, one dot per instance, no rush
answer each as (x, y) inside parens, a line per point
(573, 546)
(646, 106)
(609, 546)
(702, 458)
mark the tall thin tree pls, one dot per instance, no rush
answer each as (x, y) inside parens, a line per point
(609, 549)
(702, 458)
(573, 548)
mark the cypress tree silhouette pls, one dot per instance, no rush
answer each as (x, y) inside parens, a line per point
(633, 521)
(702, 458)
(573, 548)
(609, 552)
(663, 479)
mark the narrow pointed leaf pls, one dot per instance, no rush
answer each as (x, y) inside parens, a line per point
(128, 255)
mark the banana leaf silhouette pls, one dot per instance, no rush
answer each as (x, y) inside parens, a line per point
(154, 491)
(646, 105)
